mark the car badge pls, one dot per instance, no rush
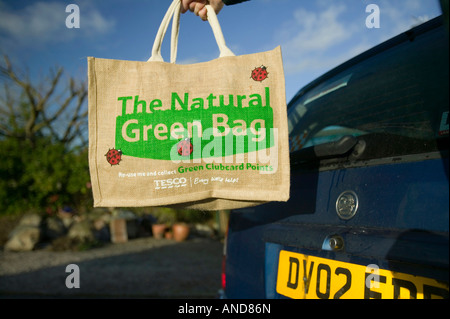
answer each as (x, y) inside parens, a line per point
(347, 205)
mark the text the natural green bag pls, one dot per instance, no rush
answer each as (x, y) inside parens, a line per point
(207, 136)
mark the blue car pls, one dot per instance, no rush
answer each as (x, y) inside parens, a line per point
(368, 215)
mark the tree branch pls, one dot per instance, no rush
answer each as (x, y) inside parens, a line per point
(39, 112)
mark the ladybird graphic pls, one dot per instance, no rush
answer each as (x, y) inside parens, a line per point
(114, 156)
(259, 73)
(185, 147)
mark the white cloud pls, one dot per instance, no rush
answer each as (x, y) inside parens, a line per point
(96, 23)
(310, 35)
(401, 15)
(318, 30)
(328, 33)
(44, 22)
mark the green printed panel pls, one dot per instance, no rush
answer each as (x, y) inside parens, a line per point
(217, 126)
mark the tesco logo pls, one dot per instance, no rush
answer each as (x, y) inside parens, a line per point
(170, 183)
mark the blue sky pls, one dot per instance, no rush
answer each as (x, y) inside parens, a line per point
(314, 36)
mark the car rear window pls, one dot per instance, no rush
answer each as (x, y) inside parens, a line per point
(398, 99)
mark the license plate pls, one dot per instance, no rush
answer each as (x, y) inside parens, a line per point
(309, 277)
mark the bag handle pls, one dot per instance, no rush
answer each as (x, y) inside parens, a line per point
(174, 11)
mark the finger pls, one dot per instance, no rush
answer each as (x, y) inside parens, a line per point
(192, 6)
(198, 7)
(185, 5)
(203, 14)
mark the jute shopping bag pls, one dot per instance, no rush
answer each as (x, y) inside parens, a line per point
(208, 136)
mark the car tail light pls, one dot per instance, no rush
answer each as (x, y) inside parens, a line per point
(224, 276)
(224, 261)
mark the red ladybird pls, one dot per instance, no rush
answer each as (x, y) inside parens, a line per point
(185, 147)
(114, 156)
(259, 73)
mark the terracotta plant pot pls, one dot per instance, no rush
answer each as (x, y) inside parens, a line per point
(158, 230)
(168, 235)
(180, 231)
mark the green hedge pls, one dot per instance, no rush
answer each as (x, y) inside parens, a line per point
(42, 176)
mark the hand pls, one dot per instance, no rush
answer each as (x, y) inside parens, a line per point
(198, 7)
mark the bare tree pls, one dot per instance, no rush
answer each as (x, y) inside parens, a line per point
(28, 111)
